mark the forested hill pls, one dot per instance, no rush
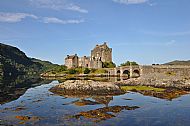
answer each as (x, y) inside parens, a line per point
(15, 62)
(47, 66)
(178, 62)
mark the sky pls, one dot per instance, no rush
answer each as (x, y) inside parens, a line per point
(145, 31)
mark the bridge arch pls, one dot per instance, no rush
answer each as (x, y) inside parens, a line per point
(136, 73)
(126, 73)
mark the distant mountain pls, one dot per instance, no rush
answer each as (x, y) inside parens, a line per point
(178, 62)
(14, 62)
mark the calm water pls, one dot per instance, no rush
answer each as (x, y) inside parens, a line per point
(41, 107)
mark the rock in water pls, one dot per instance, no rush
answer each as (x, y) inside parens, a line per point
(86, 87)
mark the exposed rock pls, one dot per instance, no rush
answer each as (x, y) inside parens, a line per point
(159, 80)
(27, 118)
(20, 108)
(168, 94)
(104, 113)
(85, 102)
(86, 87)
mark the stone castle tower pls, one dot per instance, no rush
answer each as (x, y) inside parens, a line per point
(102, 52)
(99, 55)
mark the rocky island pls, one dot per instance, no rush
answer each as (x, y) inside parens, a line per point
(159, 80)
(86, 87)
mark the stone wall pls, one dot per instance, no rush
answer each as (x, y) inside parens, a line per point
(167, 69)
(100, 54)
(84, 61)
(103, 52)
(178, 70)
(96, 63)
(71, 61)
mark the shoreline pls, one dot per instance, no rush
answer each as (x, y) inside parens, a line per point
(182, 84)
(158, 80)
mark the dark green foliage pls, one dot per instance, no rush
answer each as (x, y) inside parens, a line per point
(93, 70)
(57, 69)
(79, 70)
(109, 65)
(14, 87)
(47, 66)
(72, 71)
(14, 62)
(86, 71)
(62, 68)
(128, 63)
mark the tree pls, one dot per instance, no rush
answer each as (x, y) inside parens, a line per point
(86, 71)
(72, 71)
(109, 65)
(62, 68)
(79, 70)
(128, 63)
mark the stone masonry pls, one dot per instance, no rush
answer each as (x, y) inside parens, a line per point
(99, 55)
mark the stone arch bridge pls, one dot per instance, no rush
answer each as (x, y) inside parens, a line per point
(137, 71)
(124, 71)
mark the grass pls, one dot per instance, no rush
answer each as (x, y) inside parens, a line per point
(171, 73)
(141, 88)
(99, 71)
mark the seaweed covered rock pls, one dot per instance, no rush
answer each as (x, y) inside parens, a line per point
(86, 87)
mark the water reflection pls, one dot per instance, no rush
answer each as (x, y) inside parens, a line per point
(83, 101)
(92, 99)
(12, 88)
(38, 106)
(103, 79)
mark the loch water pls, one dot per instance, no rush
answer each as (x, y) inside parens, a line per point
(35, 105)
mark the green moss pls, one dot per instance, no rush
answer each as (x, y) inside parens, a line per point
(171, 73)
(141, 88)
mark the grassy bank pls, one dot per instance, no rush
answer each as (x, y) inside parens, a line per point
(141, 88)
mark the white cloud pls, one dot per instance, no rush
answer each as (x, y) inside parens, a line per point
(18, 17)
(131, 1)
(76, 8)
(15, 17)
(58, 5)
(172, 42)
(59, 21)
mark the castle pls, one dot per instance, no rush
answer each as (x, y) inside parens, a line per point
(99, 55)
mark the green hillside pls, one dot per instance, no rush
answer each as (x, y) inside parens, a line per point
(178, 62)
(47, 66)
(14, 62)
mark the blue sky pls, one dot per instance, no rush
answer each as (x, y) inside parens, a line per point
(146, 31)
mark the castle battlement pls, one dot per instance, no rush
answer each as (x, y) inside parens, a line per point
(99, 55)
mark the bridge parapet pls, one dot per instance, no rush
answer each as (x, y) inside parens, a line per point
(147, 69)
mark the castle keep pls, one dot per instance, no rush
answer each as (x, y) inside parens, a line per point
(99, 55)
